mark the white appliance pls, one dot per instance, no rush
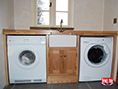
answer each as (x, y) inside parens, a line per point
(96, 55)
(27, 59)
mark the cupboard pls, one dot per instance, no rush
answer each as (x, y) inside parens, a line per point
(63, 62)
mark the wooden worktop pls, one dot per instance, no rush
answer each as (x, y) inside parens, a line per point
(44, 32)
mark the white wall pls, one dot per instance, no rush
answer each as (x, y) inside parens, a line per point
(110, 12)
(22, 14)
(88, 15)
(6, 21)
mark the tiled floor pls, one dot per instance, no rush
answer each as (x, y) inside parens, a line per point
(89, 85)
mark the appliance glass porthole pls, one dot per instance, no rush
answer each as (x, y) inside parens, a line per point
(96, 54)
(27, 57)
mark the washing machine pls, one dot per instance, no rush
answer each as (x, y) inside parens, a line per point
(96, 54)
(26, 59)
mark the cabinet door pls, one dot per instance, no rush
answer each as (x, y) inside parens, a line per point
(62, 62)
(55, 62)
(69, 61)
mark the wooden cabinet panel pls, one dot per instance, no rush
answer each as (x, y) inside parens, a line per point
(54, 62)
(69, 62)
(62, 62)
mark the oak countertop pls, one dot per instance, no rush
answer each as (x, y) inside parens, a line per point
(54, 32)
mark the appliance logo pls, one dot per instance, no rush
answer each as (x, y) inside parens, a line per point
(107, 81)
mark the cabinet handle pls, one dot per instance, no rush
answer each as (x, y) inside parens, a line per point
(64, 55)
(61, 56)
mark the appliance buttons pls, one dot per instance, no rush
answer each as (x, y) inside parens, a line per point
(26, 40)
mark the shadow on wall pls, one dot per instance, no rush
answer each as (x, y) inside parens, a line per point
(7, 22)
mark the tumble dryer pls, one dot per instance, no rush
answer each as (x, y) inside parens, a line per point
(26, 59)
(96, 55)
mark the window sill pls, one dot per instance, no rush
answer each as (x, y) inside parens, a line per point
(51, 28)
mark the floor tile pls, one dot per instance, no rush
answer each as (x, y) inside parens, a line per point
(70, 86)
(32, 86)
(97, 85)
(64, 86)
(40, 86)
(85, 85)
(82, 86)
(8, 87)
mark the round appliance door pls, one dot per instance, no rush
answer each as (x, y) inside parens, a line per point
(97, 55)
(27, 58)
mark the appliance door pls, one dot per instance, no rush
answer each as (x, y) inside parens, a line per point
(97, 55)
(27, 58)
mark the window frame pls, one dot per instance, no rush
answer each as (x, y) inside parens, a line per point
(52, 14)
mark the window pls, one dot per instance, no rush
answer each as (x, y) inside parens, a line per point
(50, 12)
